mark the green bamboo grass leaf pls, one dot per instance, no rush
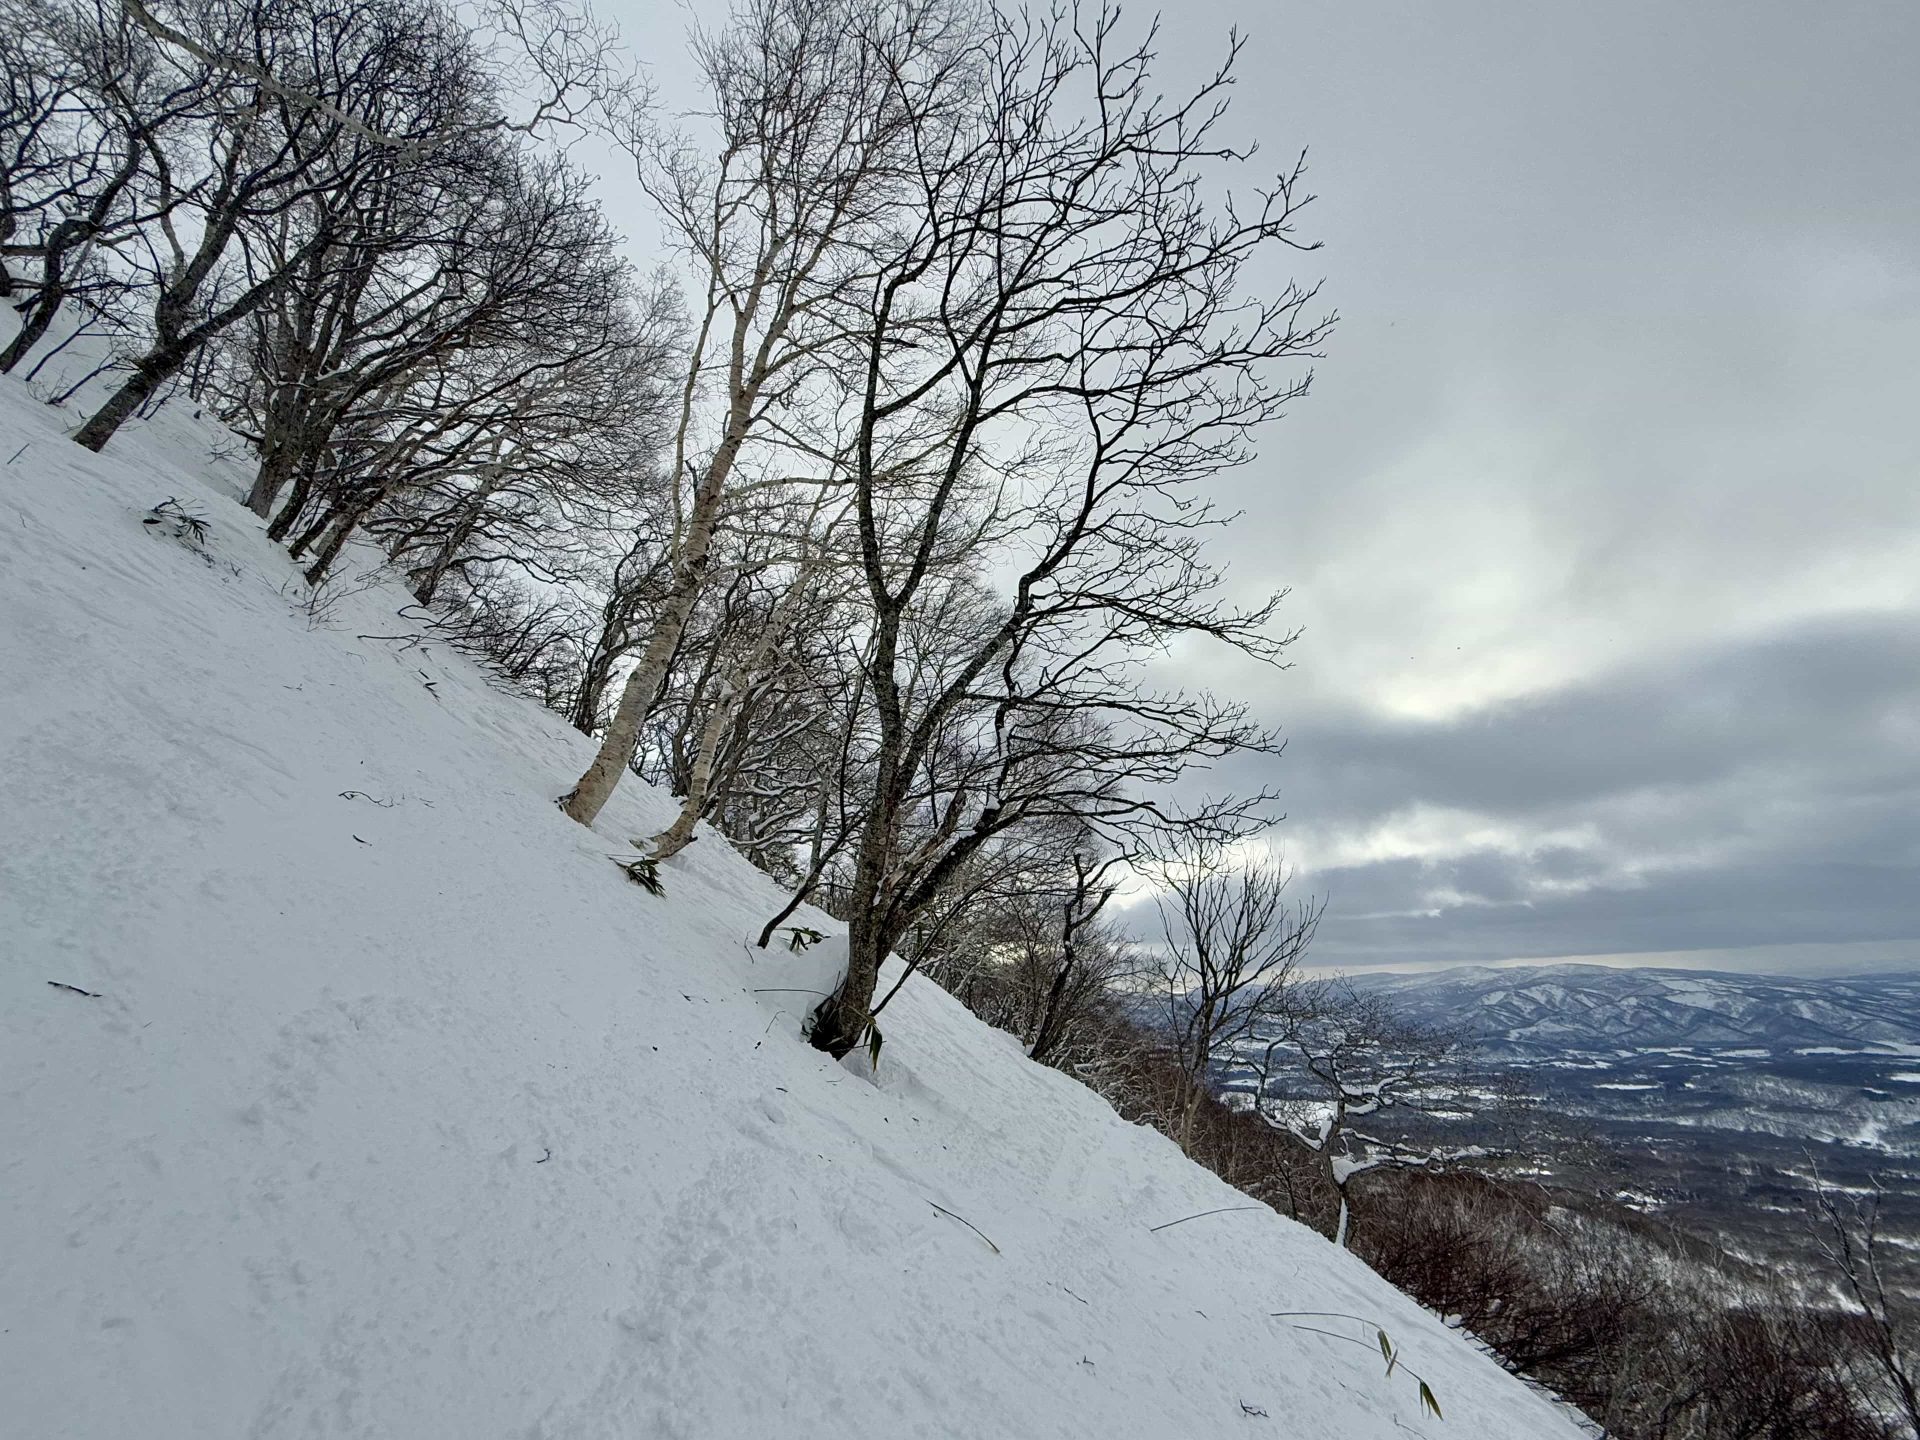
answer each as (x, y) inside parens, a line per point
(1427, 1402)
(645, 873)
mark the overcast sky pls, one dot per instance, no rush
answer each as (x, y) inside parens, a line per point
(1603, 519)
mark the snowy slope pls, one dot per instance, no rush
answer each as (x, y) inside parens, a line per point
(400, 1113)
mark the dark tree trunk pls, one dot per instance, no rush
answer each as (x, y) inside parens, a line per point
(1047, 1035)
(68, 236)
(295, 506)
(46, 304)
(285, 450)
(346, 521)
(841, 1021)
(431, 574)
(150, 372)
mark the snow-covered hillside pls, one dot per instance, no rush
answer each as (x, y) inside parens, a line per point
(1540, 1011)
(392, 1109)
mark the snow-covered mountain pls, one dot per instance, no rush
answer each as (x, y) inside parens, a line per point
(1543, 1010)
(347, 1089)
(1717, 1095)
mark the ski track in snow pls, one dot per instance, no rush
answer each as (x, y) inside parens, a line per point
(418, 1120)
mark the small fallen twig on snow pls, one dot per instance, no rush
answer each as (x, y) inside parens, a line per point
(411, 640)
(1224, 1209)
(75, 989)
(966, 1222)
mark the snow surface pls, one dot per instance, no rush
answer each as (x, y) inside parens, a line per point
(401, 1113)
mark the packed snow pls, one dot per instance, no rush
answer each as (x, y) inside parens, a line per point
(350, 1090)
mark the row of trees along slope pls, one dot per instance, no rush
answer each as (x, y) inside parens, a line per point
(973, 335)
(858, 524)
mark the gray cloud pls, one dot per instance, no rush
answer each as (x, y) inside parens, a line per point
(1835, 701)
(1603, 520)
(1756, 793)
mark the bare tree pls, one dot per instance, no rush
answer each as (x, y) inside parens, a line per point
(88, 103)
(244, 157)
(1888, 1324)
(518, 364)
(1342, 1060)
(1054, 355)
(747, 678)
(1228, 969)
(825, 776)
(1071, 977)
(808, 133)
(190, 160)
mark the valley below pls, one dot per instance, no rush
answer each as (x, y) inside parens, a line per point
(1716, 1101)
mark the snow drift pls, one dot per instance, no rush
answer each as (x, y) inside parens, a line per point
(393, 1109)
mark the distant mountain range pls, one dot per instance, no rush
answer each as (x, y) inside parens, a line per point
(1544, 1010)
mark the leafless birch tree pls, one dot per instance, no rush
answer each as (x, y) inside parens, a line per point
(777, 225)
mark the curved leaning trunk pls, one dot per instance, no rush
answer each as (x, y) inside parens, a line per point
(586, 800)
(344, 523)
(75, 233)
(733, 692)
(428, 577)
(675, 837)
(34, 328)
(177, 340)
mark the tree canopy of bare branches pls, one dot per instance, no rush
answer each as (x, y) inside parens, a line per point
(1053, 355)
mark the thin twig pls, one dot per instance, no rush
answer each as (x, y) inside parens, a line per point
(62, 985)
(1224, 1209)
(1323, 1315)
(966, 1222)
